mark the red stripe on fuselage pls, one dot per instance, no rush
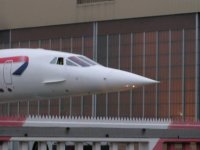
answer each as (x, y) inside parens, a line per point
(14, 59)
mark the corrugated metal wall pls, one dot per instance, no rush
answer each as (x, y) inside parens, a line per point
(162, 48)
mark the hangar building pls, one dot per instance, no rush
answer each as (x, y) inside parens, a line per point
(157, 39)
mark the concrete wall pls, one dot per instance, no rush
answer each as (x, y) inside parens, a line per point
(27, 13)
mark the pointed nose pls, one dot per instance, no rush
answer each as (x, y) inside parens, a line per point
(123, 80)
(138, 80)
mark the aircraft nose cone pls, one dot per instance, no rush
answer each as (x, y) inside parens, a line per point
(139, 80)
(124, 80)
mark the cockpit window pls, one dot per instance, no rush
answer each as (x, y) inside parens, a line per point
(74, 61)
(54, 61)
(60, 61)
(91, 62)
(70, 63)
(79, 61)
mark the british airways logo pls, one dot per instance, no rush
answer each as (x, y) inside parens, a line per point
(17, 59)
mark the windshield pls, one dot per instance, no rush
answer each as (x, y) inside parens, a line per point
(74, 61)
(82, 61)
(78, 61)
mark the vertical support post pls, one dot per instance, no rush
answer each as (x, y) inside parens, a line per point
(71, 44)
(107, 50)
(144, 61)
(130, 146)
(119, 66)
(106, 104)
(82, 99)
(23, 145)
(4, 146)
(94, 97)
(119, 51)
(82, 103)
(186, 146)
(118, 104)
(114, 146)
(169, 76)
(42, 146)
(50, 44)
(60, 44)
(28, 108)
(49, 107)
(197, 112)
(107, 54)
(78, 146)
(131, 70)
(183, 75)
(143, 146)
(18, 108)
(193, 145)
(39, 43)
(70, 106)
(82, 45)
(95, 38)
(157, 67)
(171, 146)
(59, 107)
(96, 146)
(95, 42)
(61, 146)
(8, 109)
(38, 107)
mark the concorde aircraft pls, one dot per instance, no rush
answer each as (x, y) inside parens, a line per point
(27, 74)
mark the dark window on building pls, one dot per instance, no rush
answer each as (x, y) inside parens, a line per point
(70, 147)
(87, 147)
(104, 147)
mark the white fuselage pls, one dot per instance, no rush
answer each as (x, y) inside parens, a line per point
(36, 73)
